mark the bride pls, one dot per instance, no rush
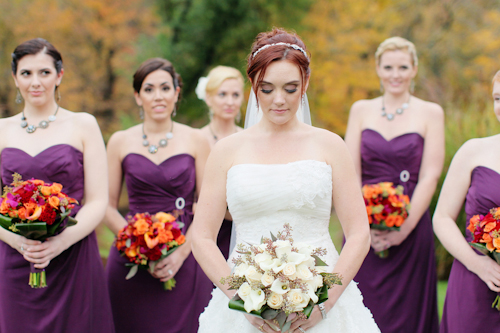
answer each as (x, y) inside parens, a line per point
(282, 170)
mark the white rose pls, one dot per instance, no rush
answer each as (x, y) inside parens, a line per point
(304, 273)
(269, 264)
(267, 279)
(262, 257)
(275, 301)
(297, 258)
(244, 290)
(298, 299)
(317, 281)
(304, 248)
(289, 269)
(252, 275)
(321, 269)
(279, 287)
(283, 247)
(240, 269)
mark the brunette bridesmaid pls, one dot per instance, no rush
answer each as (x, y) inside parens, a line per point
(473, 176)
(399, 138)
(222, 90)
(47, 142)
(162, 163)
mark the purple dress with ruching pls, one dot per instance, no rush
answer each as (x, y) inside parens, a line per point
(140, 304)
(400, 290)
(467, 306)
(76, 299)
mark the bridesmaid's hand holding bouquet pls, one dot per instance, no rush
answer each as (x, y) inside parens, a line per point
(36, 210)
(486, 233)
(147, 239)
(387, 207)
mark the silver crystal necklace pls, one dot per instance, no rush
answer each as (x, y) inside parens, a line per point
(153, 149)
(43, 124)
(400, 110)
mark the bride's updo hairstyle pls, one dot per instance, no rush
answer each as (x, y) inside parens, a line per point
(154, 64)
(275, 45)
(397, 43)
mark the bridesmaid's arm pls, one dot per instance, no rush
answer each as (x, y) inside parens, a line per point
(353, 137)
(113, 219)
(95, 200)
(430, 171)
(209, 215)
(450, 202)
(173, 262)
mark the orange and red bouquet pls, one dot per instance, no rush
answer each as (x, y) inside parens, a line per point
(147, 239)
(485, 231)
(387, 207)
(36, 210)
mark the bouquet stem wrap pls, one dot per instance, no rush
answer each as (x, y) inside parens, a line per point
(38, 278)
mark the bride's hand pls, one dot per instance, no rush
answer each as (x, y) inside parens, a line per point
(262, 325)
(313, 320)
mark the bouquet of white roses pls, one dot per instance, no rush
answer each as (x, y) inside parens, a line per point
(277, 278)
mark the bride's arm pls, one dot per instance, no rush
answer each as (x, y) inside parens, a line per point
(208, 217)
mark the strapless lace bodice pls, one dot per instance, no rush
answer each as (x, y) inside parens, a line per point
(262, 197)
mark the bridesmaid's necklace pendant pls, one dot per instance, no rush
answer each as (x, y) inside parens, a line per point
(390, 116)
(153, 149)
(43, 124)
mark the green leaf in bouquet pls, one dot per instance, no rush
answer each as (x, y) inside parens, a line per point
(5, 221)
(169, 252)
(273, 238)
(377, 209)
(281, 318)
(236, 303)
(270, 314)
(383, 227)
(496, 256)
(71, 221)
(286, 327)
(180, 224)
(132, 272)
(35, 230)
(318, 261)
(152, 265)
(51, 229)
(480, 247)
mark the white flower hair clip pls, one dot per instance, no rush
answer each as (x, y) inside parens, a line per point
(201, 88)
(293, 46)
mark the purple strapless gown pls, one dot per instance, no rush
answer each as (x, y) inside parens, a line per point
(140, 304)
(399, 290)
(76, 299)
(467, 306)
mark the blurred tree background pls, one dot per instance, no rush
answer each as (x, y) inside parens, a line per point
(103, 42)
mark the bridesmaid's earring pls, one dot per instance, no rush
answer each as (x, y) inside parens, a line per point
(238, 117)
(175, 111)
(19, 98)
(141, 113)
(58, 95)
(381, 87)
(412, 86)
(210, 114)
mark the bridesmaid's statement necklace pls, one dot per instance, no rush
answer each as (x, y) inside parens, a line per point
(390, 116)
(153, 149)
(43, 124)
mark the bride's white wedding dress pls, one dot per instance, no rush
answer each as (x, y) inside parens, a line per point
(261, 198)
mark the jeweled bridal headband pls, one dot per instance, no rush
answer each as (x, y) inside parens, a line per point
(293, 46)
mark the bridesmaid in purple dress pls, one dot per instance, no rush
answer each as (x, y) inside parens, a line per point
(399, 138)
(222, 90)
(162, 162)
(67, 148)
(474, 175)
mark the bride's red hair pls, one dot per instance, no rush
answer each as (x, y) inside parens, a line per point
(257, 65)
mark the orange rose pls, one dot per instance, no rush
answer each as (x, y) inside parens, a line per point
(390, 221)
(394, 200)
(4, 208)
(181, 239)
(496, 244)
(165, 217)
(472, 223)
(165, 236)
(141, 227)
(369, 210)
(54, 202)
(21, 213)
(46, 190)
(131, 251)
(56, 188)
(490, 246)
(486, 238)
(37, 182)
(378, 217)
